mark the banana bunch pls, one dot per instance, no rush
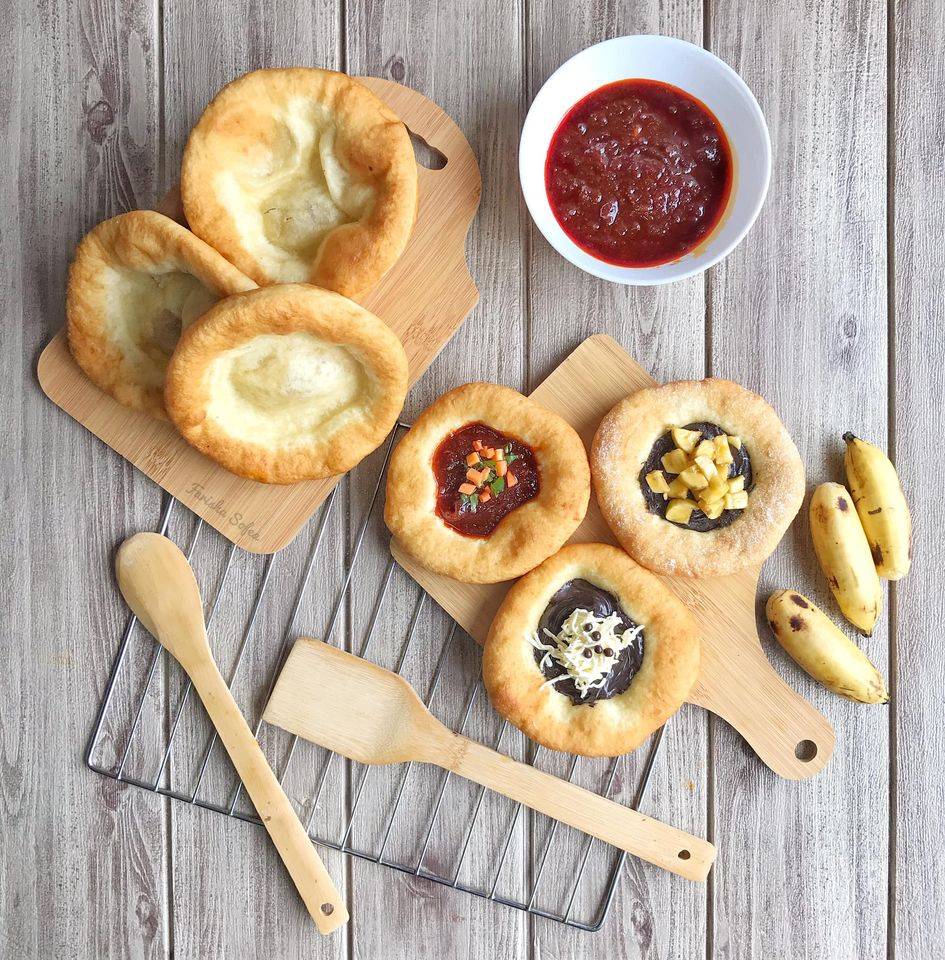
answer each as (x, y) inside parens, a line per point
(859, 535)
(857, 546)
(818, 647)
(877, 495)
(844, 554)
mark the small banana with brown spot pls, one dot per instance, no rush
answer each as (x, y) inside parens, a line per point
(844, 553)
(877, 495)
(819, 648)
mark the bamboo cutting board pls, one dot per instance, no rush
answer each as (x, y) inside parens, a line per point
(424, 298)
(736, 681)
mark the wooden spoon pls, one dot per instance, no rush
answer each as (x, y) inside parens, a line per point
(159, 586)
(371, 715)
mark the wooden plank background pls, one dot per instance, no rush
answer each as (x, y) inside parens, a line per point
(832, 308)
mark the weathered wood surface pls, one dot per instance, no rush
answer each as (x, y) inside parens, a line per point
(917, 342)
(663, 329)
(799, 313)
(80, 122)
(832, 308)
(226, 904)
(469, 60)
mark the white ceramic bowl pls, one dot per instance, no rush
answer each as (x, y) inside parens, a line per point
(683, 65)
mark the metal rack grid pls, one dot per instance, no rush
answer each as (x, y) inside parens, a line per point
(150, 731)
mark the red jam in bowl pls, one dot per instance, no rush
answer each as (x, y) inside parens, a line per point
(481, 477)
(638, 173)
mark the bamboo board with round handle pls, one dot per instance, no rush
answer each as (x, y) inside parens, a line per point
(424, 298)
(366, 713)
(159, 585)
(736, 681)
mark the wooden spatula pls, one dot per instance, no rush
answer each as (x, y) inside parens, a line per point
(367, 713)
(160, 588)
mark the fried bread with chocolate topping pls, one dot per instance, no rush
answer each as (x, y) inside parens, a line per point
(696, 478)
(589, 653)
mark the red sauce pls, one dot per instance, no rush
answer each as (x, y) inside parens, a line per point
(638, 173)
(473, 514)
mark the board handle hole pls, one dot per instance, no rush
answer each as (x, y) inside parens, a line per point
(805, 751)
(426, 155)
(684, 854)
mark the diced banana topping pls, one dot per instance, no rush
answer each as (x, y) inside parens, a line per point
(586, 647)
(699, 468)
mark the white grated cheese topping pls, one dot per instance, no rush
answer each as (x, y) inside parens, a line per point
(568, 647)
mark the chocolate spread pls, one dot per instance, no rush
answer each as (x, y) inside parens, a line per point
(580, 594)
(740, 467)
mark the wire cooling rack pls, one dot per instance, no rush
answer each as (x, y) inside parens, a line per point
(337, 581)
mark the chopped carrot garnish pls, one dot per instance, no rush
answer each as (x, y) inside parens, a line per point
(472, 459)
(477, 444)
(499, 454)
(501, 467)
(467, 488)
(488, 453)
(485, 496)
(510, 480)
(473, 477)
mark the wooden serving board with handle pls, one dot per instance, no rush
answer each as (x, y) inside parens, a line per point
(736, 681)
(424, 298)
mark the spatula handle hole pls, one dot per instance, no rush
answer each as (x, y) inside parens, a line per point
(684, 854)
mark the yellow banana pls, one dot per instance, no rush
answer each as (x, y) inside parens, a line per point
(877, 495)
(844, 554)
(818, 647)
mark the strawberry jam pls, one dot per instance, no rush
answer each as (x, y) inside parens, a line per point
(638, 173)
(481, 477)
